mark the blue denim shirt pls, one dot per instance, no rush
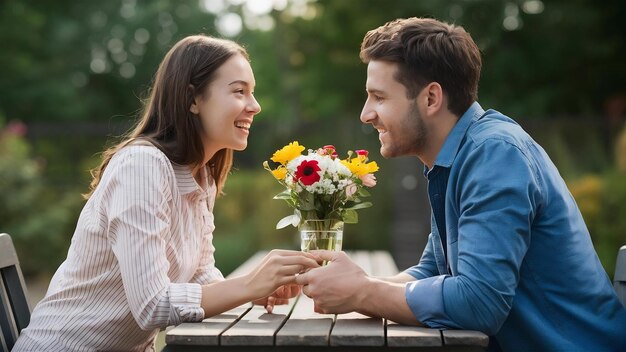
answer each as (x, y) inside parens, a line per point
(520, 264)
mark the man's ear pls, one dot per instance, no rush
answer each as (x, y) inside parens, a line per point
(434, 98)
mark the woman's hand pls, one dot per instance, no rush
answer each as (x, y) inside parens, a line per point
(279, 297)
(277, 269)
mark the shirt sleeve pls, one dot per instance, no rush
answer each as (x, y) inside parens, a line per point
(427, 265)
(139, 216)
(499, 195)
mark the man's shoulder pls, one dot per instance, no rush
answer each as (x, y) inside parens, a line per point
(495, 126)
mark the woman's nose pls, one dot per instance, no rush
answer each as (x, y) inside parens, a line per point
(254, 106)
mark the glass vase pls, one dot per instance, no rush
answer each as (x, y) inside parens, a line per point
(321, 234)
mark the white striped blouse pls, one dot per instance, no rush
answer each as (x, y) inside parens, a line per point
(141, 249)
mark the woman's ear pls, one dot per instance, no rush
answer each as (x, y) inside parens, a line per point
(194, 108)
(194, 105)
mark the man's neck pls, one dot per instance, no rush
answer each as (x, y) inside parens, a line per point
(438, 131)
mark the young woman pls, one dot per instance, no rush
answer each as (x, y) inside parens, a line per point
(142, 258)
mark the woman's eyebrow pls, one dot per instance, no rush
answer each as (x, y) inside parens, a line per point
(239, 82)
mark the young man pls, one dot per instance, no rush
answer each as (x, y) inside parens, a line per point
(509, 253)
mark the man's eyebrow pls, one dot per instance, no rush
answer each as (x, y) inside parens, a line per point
(374, 91)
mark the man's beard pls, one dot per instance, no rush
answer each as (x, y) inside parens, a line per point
(414, 135)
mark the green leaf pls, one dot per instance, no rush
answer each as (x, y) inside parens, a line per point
(363, 192)
(361, 206)
(283, 195)
(350, 216)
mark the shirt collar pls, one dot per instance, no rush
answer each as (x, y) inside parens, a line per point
(184, 178)
(455, 137)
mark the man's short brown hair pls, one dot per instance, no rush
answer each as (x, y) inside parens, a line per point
(427, 50)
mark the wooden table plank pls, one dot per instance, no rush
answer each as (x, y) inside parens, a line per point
(464, 338)
(382, 264)
(257, 327)
(249, 264)
(244, 327)
(354, 329)
(305, 327)
(362, 259)
(207, 332)
(412, 336)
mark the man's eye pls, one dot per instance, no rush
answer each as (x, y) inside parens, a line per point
(378, 98)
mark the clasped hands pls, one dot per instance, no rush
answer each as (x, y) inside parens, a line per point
(334, 288)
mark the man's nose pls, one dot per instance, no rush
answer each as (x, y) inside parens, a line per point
(367, 114)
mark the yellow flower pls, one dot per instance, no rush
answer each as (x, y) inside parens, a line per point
(358, 167)
(287, 153)
(279, 173)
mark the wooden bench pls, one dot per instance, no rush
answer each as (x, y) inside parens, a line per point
(295, 327)
(14, 307)
(619, 281)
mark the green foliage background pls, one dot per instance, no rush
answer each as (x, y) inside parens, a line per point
(65, 72)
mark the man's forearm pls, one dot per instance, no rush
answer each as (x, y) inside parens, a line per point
(398, 278)
(386, 299)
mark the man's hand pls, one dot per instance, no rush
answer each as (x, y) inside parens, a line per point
(337, 287)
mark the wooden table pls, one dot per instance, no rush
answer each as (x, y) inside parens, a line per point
(295, 327)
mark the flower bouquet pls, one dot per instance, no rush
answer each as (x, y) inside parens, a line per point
(324, 191)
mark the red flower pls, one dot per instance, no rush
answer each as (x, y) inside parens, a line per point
(307, 172)
(362, 152)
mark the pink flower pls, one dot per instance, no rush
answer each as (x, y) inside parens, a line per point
(327, 150)
(362, 152)
(16, 128)
(307, 172)
(369, 180)
(351, 189)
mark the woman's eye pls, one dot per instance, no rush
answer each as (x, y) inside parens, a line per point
(239, 91)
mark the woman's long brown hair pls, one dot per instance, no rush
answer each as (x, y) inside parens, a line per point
(166, 122)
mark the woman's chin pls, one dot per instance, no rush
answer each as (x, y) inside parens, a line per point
(240, 146)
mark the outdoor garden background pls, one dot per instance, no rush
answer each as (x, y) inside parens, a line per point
(73, 73)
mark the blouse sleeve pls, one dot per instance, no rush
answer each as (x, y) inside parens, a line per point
(139, 215)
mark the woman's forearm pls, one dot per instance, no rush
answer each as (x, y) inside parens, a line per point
(224, 295)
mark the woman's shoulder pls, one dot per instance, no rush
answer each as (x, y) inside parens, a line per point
(139, 156)
(141, 150)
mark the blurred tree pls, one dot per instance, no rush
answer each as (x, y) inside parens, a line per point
(70, 61)
(77, 60)
(40, 232)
